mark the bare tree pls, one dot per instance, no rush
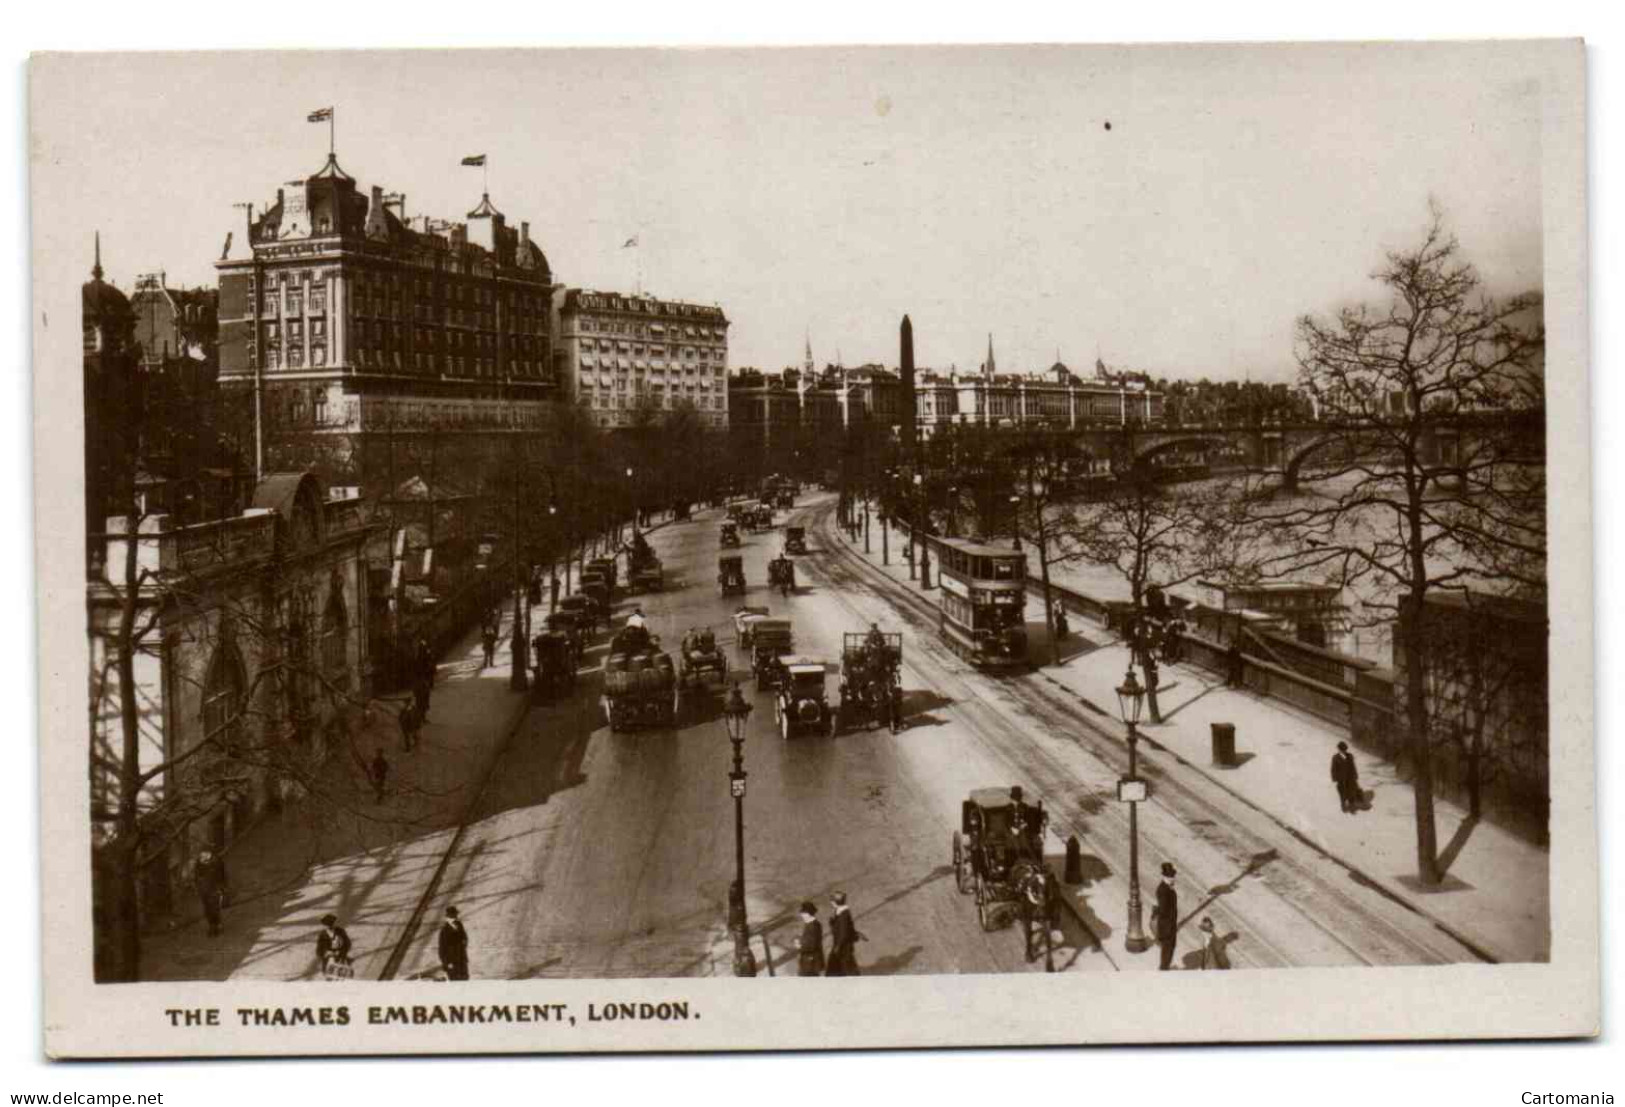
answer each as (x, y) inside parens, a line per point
(1432, 405)
(1155, 537)
(230, 601)
(1044, 463)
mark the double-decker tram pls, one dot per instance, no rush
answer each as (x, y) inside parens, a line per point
(984, 601)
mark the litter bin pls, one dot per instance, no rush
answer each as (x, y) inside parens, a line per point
(1224, 744)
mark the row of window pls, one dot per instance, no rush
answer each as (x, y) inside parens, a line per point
(590, 325)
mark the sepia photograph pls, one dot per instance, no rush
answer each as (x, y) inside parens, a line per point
(542, 550)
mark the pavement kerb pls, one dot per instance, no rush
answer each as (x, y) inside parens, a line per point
(511, 724)
(514, 720)
(1381, 887)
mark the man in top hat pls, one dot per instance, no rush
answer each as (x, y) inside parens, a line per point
(843, 939)
(1165, 915)
(1347, 778)
(810, 949)
(454, 946)
(332, 944)
(210, 876)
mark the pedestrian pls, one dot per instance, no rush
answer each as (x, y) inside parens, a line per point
(1346, 775)
(489, 639)
(554, 605)
(409, 725)
(843, 939)
(1236, 666)
(378, 773)
(333, 948)
(1213, 955)
(210, 877)
(1165, 915)
(1061, 627)
(454, 946)
(810, 949)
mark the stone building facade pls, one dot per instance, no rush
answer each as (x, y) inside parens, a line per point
(249, 640)
(616, 353)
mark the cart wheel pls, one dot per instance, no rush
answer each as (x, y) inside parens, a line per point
(961, 870)
(784, 726)
(984, 909)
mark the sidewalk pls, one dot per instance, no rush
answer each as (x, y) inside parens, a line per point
(367, 862)
(1495, 894)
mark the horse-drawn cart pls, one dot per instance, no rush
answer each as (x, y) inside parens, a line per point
(998, 854)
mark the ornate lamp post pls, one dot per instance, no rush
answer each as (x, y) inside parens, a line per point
(921, 517)
(1131, 789)
(518, 680)
(734, 714)
(553, 562)
(632, 497)
(1015, 518)
(953, 503)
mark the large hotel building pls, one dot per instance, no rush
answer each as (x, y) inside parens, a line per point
(352, 318)
(616, 354)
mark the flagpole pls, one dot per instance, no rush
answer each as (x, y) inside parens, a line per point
(332, 124)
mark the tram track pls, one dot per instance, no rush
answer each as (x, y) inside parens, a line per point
(1310, 891)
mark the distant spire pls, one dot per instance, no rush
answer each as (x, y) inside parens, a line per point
(96, 270)
(809, 351)
(991, 369)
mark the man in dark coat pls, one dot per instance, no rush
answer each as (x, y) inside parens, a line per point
(810, 949)
(843, 939)
(332, 944)
(409, 726)
(210, 875)
(454, 946)
(489, 641)
(378, 773)
(1165, 916)
(1347, 778)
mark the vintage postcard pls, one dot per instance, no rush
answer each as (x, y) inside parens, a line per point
(555, 550)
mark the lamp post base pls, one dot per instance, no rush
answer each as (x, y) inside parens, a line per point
(1137, 943)
(744, 958)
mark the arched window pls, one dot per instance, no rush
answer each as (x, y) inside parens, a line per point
(223, 696)
(335, 625)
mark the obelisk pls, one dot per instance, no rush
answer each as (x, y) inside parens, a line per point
(907, 401)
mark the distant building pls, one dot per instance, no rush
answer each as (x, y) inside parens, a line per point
(614, 352)
(354, 319)
(1055, 398)
(173, 324)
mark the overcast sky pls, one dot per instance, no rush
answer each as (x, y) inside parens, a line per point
(831, 191)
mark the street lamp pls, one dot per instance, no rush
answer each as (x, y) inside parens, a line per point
(1132, 790)
(734, 714)
(953, 502)
(920, 517)
(1015, 518)
(553, 562)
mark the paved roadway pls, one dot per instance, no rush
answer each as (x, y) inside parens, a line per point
(597, 854)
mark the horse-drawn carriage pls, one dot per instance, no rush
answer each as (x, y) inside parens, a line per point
(644, 572)
(781, 574)
(731, 575)
(795, 540)
(640, 682)
(871, 680)
(730, 534)
(607, 566)
(802, 703)
(700, 655)
(568, 624)
(771, 640)
(998, 854)
(554, 657)
(745, 620)
(583, 610)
